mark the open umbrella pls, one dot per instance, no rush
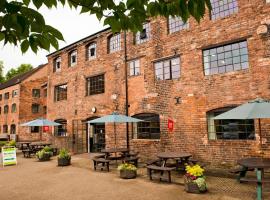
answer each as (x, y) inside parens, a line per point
(40, 123)
(256, 109)
(114, 118)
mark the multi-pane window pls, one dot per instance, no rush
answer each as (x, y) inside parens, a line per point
(144, 35)
(60, 92)
(60, 130)
(223, 8)
(73, 58)
(167, 69)
(231, 57)
(176, 24)
(14, 93)
(5, 109)
(6, 96)
(36, 93)
(115, 43)
(5, 128)
(0, 110)
(232, 129)
(35, 108)
(91, 51)
(134, 67)
(95, 85)
(44, 109)
(13, 108)
(1, 96)
(34, 129)
(149, 128)
(57, 64)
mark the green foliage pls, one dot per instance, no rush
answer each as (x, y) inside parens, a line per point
(64, 154)
(20, 70)
(127, 166)
(201, 183)
(2, 78)
(2, 143)
(12, 143)
(48, 149)
(21, 24)
(43, 153)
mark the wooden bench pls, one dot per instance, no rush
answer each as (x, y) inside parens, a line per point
(27, 153)
(131, 160)
(241, 171)
(154, 162)
(253, 180)
(101, 161)
(155, 168)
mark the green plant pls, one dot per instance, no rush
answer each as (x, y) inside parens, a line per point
(63, 154)
(194, 174)
(2, 143)
(12, 143)
(42, 153)
(48, 149)
(127, 166)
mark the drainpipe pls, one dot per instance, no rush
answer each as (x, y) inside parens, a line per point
(126, 85)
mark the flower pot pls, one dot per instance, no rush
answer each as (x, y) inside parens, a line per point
(64, 161)
(192, 187)
(45, 157)
(128, 174)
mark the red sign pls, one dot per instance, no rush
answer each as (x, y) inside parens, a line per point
(45, 128)
(170, 125)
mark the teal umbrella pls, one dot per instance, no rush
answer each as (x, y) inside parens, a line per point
(256, 109)
(114, 118)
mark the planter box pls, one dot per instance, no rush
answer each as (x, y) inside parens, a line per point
(191, 186)
(46, 157)
(64, 161)
(128, 174)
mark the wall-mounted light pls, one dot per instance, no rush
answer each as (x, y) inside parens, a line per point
(178, 100)
(94, 110)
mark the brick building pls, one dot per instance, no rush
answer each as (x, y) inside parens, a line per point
(187, 73)
(23, 98)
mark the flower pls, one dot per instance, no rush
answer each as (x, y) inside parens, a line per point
(194, 171)
(127, 166)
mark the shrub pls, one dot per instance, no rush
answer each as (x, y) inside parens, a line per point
(42, 153)
(48, 149)
(127, 166)
(63, 154)
(12, 143)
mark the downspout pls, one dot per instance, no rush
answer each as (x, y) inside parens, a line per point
(126, 85)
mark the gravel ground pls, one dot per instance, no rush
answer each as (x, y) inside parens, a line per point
(32, 180)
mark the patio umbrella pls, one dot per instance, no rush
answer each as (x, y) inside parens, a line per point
(256, 109)
(40, 123)
(114, 118)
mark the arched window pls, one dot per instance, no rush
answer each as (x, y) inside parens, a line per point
(61, 130)
(13, 108)
(114, 43)
(5, 128)
(149, 128)
(91, 51)
(5, 109)
(232, 129)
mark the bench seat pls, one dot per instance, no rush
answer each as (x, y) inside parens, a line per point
(132, 160)
(101, 161)
(161, 170)
(253, 180)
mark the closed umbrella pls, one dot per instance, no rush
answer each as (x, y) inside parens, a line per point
(114, 118)
(256, 109)
(40, 123)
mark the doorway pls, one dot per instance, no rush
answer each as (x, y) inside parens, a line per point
(96, 136)
(13, 129)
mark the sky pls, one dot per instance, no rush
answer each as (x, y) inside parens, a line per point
(70, 23)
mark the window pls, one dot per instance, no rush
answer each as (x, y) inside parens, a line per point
(34, 129)
(222, 59)
(167, 69)
(6, 95)
(144, 35)
(176, 24)
(0, 110)
(14, 93)
(91, 51)
(45, 109)
(1, 96)
(5, 109)
(134, 67)
(35, 108)
(95, 85)
(233, 129)
(45, 90)
(13, 108)
(12, 129)
(62, 129)
(36, 93)
(5, 128)
(60, 92)
(57, 64)
(148, 129)
(114, 43)
(223, 8)
(73, 58)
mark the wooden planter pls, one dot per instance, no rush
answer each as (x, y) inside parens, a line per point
(64, 161)
(191, 186)
(46, 157)
(128, 174)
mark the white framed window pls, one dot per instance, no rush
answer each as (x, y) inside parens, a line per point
(144, 35)
(15, 93)
(73, 58)
(92, 51)
(167, 69)
(223, 8)
(134, 67)
(57, 64)
(176, 24)
(115, 43)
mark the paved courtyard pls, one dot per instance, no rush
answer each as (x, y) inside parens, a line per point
(32, 180)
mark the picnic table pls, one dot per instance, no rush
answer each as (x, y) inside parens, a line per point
(114, 151)
(259, 164)
(180, 157)
(22, 144)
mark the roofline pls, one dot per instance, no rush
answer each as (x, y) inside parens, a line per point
(101, 31)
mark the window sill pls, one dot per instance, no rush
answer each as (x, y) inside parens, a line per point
(133, 76)
(146, 140)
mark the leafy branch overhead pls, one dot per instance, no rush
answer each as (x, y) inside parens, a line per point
(22, 24)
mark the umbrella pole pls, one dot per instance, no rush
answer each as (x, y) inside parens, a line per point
(114, 134)
(260, 133)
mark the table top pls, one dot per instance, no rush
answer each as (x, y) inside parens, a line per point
(23, 142)
(114, 150)
(40, 143)
(173, 155)
(255, 162)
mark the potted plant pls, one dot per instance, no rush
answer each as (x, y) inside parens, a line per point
(44, 154)
(194, 179)
(127, 171)
(64, 158)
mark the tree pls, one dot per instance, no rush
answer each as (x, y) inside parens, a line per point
(2, 78)
(23, 25)
(20, 70)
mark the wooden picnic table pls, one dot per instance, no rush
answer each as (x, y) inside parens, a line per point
(107, 152)
(178, 156)
(21, 144)
(259, 164)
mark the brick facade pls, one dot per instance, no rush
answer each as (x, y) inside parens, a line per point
(199, 93)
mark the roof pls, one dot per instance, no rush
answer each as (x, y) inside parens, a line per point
(96, 33)
(18, 79)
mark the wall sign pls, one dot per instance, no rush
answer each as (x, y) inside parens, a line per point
(45, 128)
(9, 156)
(170, 125)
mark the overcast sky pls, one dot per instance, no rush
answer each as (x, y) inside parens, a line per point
(74, 26)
